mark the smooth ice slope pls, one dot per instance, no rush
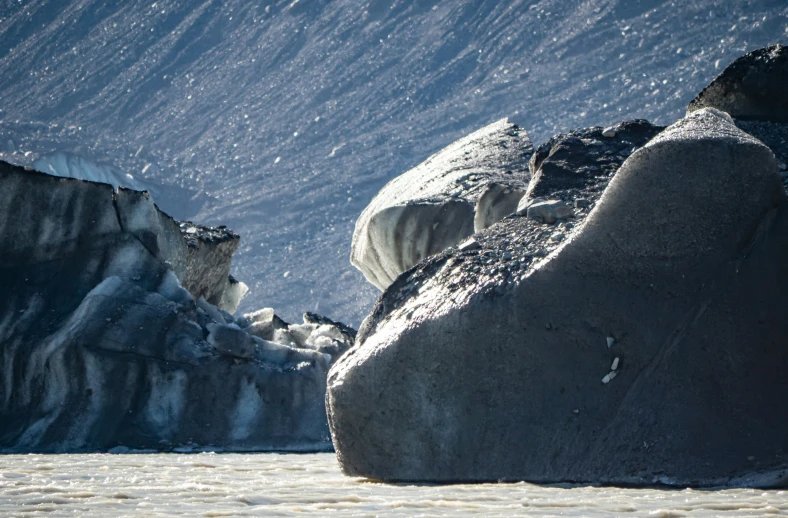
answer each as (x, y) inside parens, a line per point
(290, 115)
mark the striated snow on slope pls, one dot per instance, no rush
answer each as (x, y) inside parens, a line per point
(290, 115)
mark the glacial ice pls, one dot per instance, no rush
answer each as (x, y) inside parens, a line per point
(474, 366)
(472, 183)
(100, 336)
(174, 200)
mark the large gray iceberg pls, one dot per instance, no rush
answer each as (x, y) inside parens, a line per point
(114, 333)
(648, 347)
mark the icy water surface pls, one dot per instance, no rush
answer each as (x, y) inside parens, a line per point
(210, 484)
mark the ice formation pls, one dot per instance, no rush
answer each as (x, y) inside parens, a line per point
(467, 186)
(473, 363)
(371, 87)
(652, 321)
(172, 199)
(116, 332)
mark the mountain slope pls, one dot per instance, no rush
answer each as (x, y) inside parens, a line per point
(291, 115)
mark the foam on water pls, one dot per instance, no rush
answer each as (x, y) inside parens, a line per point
(210, 484)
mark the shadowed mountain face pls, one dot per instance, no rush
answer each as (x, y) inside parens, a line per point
(291, 115)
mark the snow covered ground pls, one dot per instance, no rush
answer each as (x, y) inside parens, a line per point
(288, 116)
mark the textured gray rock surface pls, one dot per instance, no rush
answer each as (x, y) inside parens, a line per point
(467, 186)
(774, 135)
(199, 256)
(476, 365)
(101, 345)
(579, 164)
(750, 88)
(753, 91)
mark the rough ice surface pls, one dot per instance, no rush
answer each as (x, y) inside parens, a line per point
(441, 201)
(290, 116)
(102, 346)
(233, 294)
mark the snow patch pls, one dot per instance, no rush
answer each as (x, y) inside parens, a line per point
(67, 165)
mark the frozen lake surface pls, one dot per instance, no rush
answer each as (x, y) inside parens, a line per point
(267, 484)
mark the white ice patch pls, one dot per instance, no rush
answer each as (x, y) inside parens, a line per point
(247, 411)
(72, 166)
(324, 333)
(166, 402)
(171, 289)
(261, 315)
(321, 341)
(496, 202)
(301, 332)
(433, 206)
(233, 293)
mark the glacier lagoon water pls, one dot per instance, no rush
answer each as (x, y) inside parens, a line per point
(269, 484)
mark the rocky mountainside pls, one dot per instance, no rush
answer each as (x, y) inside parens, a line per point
(289, 116)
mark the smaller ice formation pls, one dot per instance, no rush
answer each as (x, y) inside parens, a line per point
(460, 190)
(752, 91)
(116, 331)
